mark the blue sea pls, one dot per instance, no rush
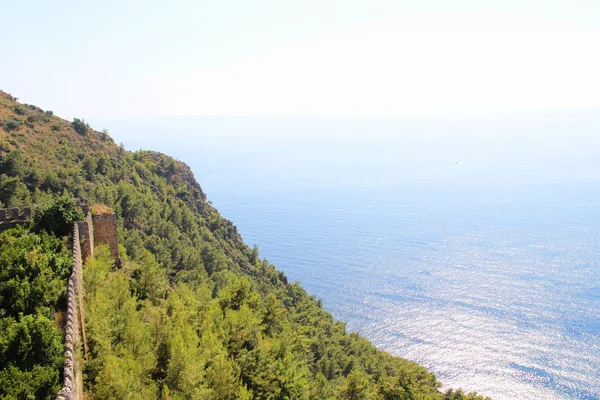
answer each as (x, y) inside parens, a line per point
(468, 244)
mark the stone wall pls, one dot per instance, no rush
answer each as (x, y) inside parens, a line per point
(86, 236)
(72, 373)
(105, 231)
(11, 217)
(97, 229)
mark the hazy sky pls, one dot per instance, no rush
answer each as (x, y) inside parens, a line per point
(106, 59)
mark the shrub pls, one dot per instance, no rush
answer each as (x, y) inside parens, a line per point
(34, 108)
(12, 124)
(33, 118)
(33, 280)
(19, 109)
(13, 163)
(80, 126)
(55, 127)
(13, 192)
(58, 216)
(33, 275)
(32, 358)
(4, 146)
(46, 115)
(52, 182)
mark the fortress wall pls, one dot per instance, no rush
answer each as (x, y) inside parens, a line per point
(72, 373)
(11, 217)
(105, 231)
(16, 213)
(86, 236)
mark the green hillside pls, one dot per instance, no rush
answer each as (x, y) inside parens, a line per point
(193, 312)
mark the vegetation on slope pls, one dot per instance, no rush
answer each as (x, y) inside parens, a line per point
(34, 269)
(193, 312)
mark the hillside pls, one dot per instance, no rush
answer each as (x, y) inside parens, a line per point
(193, 312)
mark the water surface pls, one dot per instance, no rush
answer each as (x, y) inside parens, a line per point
(467, 244)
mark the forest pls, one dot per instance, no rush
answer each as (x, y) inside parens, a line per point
(190, 312)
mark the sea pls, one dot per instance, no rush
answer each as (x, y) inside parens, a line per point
(469, 244)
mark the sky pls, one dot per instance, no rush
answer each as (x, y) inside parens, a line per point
(116, 59)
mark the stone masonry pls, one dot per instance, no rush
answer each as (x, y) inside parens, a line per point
(11, 217)
(105, 231)
(97, 229)
(72, 375)
(86, 235)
